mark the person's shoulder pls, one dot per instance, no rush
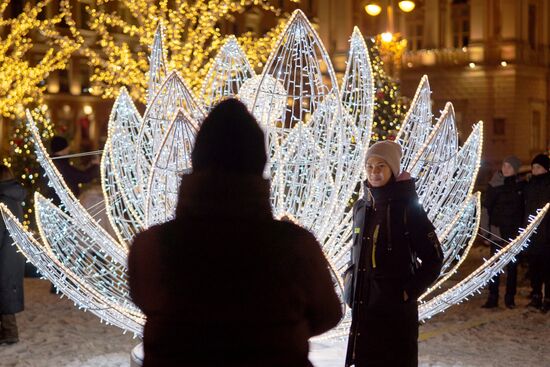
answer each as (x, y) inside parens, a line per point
(148, 240)
(296, 237)
(288, 228)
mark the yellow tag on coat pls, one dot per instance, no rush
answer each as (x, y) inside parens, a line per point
(357, 230)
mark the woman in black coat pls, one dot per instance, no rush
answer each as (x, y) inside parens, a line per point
(225, 284)
(12, 263)
(391, 231)
(537, 195)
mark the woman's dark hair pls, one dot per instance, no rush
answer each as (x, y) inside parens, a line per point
(230, 140)
(5, 173)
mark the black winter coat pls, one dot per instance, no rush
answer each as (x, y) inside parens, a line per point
(12, 263)
(537, 195)
(391, 231)
(224, 284)
(505, 203)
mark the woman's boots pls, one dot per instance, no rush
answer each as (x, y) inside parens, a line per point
(8, 329)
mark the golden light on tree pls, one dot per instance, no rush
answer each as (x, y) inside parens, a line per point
(21, 76)
(193, 37)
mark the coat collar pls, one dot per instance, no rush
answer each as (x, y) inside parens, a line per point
(544, 178)
(209, 193)
(395, 190)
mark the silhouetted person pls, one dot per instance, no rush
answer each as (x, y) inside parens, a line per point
(537, 195)
(505, 204)
(12, 263)
(225, 284)
(390, 232)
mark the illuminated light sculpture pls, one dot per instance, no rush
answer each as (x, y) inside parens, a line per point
(317, 134)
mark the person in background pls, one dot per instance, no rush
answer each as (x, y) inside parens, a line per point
(73, 176)
(391, 232)
(504, 203)
(12, 263)
(224, 283)
(537, 195)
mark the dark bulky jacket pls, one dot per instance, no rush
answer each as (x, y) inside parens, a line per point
(537, 195)
(12, 263)
(391, 230)
(504, 202)
(224, 284)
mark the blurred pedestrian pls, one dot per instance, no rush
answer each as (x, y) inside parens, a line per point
(504, 202)
(12, 263)
(224, 284)
(391, 232)
(537, 195)
(72, 175)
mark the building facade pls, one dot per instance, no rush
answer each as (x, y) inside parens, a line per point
(491, 58)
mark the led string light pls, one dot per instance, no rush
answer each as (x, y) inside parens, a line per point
(228, 72)
(70, 203)
(417, 124)
(171, 162)
(479, 277)
(70, 284)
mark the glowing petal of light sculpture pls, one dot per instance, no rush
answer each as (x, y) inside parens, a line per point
(434, 163)
(157, 65)
(317, 135)
(120, 178)
(457, 240)
(173, 95)
(173, 159)
(417, 124)
(72, 285)
(81, 254)
(479, 277)
(229, 71)
(467, 165)
(70, 203)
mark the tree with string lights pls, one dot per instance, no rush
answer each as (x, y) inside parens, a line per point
(22, 82)
(389, 108)
(21, 76)
(194, 36)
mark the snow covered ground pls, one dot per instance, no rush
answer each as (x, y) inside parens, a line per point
(55, 333)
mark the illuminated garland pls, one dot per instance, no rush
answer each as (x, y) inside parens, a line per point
(118, 58)
(317, 136)
(21, 77)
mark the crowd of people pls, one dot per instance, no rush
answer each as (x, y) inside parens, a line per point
(225, 283)
(508, 202)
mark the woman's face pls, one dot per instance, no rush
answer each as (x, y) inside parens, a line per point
(378, 172)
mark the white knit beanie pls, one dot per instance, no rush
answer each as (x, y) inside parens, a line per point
(390, 152)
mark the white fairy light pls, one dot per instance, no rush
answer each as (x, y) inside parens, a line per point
(271, 100)
(317, 134)
(173, 159)
(229, 72)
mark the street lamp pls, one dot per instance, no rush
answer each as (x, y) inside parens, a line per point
(373, 8)
(406, 6)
